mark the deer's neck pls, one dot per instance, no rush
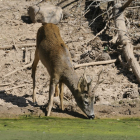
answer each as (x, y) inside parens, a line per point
(71, 81)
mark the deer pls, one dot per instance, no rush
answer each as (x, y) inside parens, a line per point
(55, 56)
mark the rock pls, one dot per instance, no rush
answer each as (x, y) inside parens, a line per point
(76, 58)
(104, 57)
(46, 13)
(72, 52)
(127, 112)
(131, 93)
(132, 105)
(66, 15)
(86, 60)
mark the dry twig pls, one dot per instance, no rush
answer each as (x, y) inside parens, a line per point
(2, 85)
(126, 5)
(26, 59)
(14, 45)
(13, 88)
(95, 63)
(100, 15)
(101, 30)
(114, 39)
(24, 67)
(17, 45)
(136, 47)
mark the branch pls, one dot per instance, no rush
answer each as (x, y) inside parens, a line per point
(1, 85)
(13, 88)
(95, 63)
(136, 47)
(17, 45)
(24, 67)
(126, 5)
(107, 23)
(99, 16)
(69, 4)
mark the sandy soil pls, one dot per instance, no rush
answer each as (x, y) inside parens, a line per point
(118, 95)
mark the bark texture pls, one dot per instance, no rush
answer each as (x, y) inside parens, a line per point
(125, 39)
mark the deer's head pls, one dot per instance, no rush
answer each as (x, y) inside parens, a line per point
(85, 99)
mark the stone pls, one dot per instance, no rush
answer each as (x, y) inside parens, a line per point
(46, 13)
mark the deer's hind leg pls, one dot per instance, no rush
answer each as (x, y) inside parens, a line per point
(51, 95)
(34, 65)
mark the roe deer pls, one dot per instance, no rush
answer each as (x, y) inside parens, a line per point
(55, 56)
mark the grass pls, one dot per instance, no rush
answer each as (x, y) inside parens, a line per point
(49, 128)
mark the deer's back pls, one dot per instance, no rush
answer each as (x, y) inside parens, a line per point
(53, 52)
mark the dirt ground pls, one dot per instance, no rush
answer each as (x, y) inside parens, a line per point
(118, 95)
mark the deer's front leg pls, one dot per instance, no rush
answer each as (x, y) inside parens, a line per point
(56, 91)
(61, 95)
(34, 65)
(51, 95)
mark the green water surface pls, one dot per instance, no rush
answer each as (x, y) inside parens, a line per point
(49, 128)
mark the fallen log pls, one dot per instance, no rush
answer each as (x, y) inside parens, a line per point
(124, 37)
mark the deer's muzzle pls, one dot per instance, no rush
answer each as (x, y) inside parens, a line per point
(91, 117)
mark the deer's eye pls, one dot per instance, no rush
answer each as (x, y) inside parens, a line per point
(85, 92)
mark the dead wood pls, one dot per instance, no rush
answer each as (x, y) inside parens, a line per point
(126, 5)
(26, 59)
(18, 69)
(13, 88)
(136, 47)
(124, 39)
(2, 85)
(124, 65)
(17, 45)
(114, 39)
(107, 23)
(67, 4)
(25, 51)
(95, 63)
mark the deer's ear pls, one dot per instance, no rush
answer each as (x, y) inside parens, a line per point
(82, 84)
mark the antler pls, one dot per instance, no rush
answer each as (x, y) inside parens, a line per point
(84, 75)
(98, 82)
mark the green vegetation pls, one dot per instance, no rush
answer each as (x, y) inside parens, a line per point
(49, 128)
